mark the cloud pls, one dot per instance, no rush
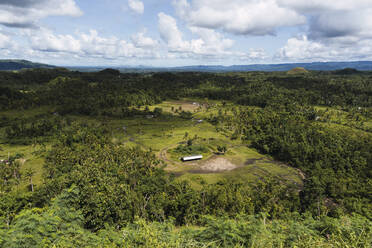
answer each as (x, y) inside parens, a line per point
(262, 17)
(301, 48)
(170, 33)
(304, 49)
(141, 41)
(316, 6)
(136, 6)
(26, 13)
(339, 30)
(209, 45)
(5, 41)
(245, 17)
(45, 40)
(356, 23)
(332, 27)
(19, 3)
(211, 42)
(90, 45)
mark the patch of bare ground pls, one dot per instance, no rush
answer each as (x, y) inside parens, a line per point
(217, 164)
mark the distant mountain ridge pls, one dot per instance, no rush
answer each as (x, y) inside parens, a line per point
(15, 64)
(314, 66)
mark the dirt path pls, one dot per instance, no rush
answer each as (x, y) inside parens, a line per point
(163, 156)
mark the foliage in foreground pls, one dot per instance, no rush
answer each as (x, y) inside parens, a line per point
(61, 225)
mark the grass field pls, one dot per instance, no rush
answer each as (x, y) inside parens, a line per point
(356, 118)
(164, 133)
(31, 160)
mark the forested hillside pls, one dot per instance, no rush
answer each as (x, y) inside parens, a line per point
(92, 159)
(14, 64)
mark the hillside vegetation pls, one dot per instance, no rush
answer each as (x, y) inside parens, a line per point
(93, 159)
(13, 64)
(297, 70)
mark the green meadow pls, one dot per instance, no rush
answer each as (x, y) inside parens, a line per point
(162, 134)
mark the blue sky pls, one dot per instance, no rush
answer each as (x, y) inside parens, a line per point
(185, 32)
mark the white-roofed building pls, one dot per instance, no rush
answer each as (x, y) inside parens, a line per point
(191, 158)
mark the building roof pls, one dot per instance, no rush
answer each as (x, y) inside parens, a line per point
(192, 157)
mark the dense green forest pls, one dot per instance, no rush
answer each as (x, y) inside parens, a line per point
(75, 170)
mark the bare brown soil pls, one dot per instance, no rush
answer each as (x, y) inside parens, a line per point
(217, 164)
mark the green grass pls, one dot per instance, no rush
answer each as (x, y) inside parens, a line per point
(28, 113)
(32, 160)
(353, 119)
(240, 154)
(165, 133)
(249, 174)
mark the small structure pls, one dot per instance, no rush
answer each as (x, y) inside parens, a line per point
(191, 158)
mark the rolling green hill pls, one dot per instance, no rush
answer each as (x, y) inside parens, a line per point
(13, 64)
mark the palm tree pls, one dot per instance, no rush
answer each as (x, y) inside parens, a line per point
(222, 149)
(29, 174)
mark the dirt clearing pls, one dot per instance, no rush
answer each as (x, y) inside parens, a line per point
(218, 164)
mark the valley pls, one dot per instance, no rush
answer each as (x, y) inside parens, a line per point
(274, 148)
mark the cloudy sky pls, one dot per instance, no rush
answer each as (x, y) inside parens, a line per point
(185, 32)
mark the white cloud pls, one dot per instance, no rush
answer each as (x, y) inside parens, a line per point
(209, 44)
(5, 41)
(45, 40)
(357, 23)
(334, 28)
(170, 34)
(303, 49)
(260, 17)
(247, 17)
(90, 45)
(141, 41)
(339, 30)
(136, 6)
(26, 13)
(211, 41)
(311, 6)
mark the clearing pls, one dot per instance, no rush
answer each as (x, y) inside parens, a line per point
(164, 134)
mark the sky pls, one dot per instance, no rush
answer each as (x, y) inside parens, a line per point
(185, 32)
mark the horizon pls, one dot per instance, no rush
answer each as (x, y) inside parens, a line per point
(190, 65)
(174, 33)
(228, 65)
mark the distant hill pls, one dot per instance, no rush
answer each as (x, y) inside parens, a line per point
(12, 64)
(315, 66)
(346, 71)
(297, 70)
(341, 67)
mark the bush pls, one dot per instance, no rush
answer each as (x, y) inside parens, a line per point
(191, 149)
